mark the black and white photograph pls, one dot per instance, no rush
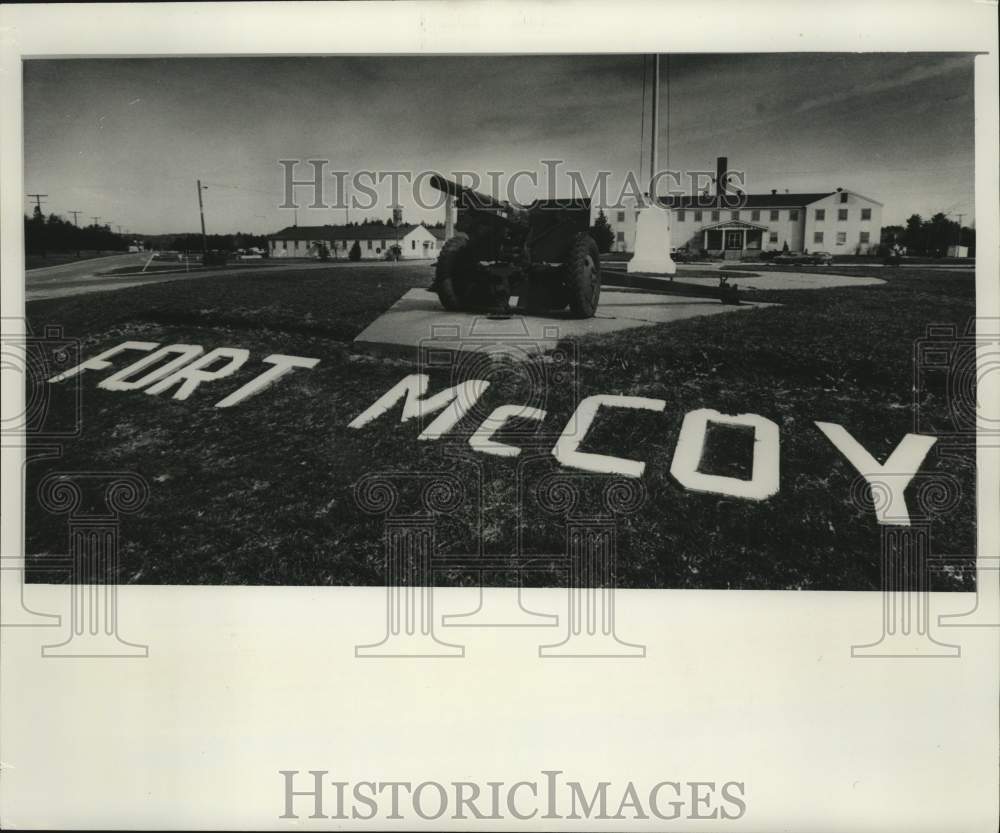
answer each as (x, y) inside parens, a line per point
(432, 347)
(493, 300)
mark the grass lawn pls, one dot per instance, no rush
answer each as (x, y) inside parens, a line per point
(262, 493)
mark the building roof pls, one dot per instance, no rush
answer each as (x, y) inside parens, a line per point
(437, 232)
(734, 224)
(713, 203)
(364, 231)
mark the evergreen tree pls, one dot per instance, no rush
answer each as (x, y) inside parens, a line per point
(602, 233)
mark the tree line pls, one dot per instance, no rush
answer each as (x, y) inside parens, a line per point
(54, 234)
(930, 238)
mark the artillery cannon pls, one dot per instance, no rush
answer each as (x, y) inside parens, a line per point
(542, 254)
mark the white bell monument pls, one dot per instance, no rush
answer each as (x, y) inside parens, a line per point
(652, 231)
(652, 242)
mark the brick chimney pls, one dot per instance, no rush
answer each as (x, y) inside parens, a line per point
(721, 167)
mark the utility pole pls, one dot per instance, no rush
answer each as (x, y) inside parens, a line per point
(201, 211)
(38, 203)
(75, 214)
(95, 219)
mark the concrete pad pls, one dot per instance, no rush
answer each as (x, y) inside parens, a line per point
(759, 280)
(787, 280)
(418, 322)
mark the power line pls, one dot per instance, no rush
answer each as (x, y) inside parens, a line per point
(75, 214)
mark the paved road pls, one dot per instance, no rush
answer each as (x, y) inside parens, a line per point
(85, 280)
(82, 268)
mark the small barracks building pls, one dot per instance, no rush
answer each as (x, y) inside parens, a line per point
(374, 240)
(840, 222)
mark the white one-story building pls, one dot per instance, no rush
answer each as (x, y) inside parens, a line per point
(374, 241)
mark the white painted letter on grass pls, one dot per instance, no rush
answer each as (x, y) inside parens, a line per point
(457, 401)
(100, 361)
(482, 440)
(282, 364)
(193, 374)
(764, 477)
(572, 437)
(893, 477)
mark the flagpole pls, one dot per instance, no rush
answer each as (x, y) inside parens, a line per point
(653, 122)
(651, 250)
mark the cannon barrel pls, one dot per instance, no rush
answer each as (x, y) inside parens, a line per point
(468, 198)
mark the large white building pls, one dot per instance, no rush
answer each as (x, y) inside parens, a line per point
(841, 222)
(414, 242)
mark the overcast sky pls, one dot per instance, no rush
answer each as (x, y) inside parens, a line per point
(126, 139)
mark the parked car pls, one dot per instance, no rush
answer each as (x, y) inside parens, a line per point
(683, 256)
(805, 258)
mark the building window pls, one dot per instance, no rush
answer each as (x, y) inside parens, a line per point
(774, 215)
(369, 245)
(820, 215)
(817, 237)
(865, 237)
(680, 216)
(715, 215)
(841, 213)
(755, 215)
(843, 196)
(735, 215)
(841, 238)
(621, 216)
(772, 237)
(866, 213)
(620, 236)
(284, 244)
(413, 244)
(793, 214)
(697, 216)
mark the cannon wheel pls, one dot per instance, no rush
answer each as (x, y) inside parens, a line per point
(455, 275)
(583, 276)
